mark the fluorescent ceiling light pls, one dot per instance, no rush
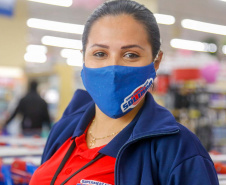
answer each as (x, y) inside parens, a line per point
(203, 26)
(223, 0)
(164, 19)
(61, 42)
(55, 26)
(193, 45)
(74, 57)
(65, 3)
(36, 49)
(66, 53)
(35, 57)
(224, 49)
(11, 72)
(75, 62)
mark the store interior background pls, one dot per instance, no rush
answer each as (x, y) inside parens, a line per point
(190, 83)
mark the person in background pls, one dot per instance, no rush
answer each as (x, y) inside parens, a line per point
(34, 112)
(115, 132)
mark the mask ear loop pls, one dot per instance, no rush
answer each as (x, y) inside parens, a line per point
(152, 85)
(156, 57)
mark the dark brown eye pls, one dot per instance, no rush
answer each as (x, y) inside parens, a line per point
(131, 55)
(100, 54)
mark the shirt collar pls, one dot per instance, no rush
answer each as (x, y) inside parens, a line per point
(112, 148)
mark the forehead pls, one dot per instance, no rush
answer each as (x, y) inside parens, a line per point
(113, 27)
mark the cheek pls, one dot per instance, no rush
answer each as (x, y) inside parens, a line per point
(88, 63)
(87, 59)
(91, 63)
(148, 59)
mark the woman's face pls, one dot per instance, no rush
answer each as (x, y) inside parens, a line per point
(118, 40)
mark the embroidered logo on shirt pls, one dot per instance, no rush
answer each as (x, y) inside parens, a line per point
(91, 182)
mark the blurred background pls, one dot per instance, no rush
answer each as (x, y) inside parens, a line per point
(41, 40)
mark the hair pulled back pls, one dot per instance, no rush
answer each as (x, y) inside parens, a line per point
(139, 13)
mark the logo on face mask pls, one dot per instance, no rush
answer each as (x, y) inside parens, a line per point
(134, 98)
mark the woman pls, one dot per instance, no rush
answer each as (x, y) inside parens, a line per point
(117, 126)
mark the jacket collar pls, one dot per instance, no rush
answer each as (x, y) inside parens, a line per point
(154, 120)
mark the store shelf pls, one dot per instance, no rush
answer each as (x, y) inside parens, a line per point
(9, 151)
(218, 158)
(34, 160)
(222, 177)
(22, 147)
(22, 141)
(223, 182)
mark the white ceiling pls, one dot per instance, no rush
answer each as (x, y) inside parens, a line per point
(212, 11)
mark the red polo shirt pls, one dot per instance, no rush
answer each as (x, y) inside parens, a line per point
(100, 172)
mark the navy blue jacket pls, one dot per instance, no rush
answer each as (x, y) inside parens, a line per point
(157, 151)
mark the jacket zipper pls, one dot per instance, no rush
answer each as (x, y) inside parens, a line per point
(133, 141)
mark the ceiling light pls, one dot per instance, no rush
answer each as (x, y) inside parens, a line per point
(35, 57)
(224, 49)
(36, 49)
(55, 26)
(203, 26)
(74, 57)
(193, 45)
(11, 72)
(212, 48)
(65, 3)
(164, 19)
(75, 61)
(66, 53)
(61, 42)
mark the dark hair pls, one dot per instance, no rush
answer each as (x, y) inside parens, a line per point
(33, 84)
(139, 13)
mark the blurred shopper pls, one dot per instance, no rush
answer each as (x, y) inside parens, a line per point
(116, 133)
(34, 112)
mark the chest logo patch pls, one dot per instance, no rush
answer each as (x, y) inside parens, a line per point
(91, 182)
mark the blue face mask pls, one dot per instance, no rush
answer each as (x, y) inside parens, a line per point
(118, 89)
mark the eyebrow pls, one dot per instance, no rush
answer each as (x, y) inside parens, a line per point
(100, 45)
(132, 46)
(123, 47)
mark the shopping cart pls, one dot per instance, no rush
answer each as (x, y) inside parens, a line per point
(17, 173)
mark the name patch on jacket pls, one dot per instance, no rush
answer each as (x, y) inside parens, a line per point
(91, 182)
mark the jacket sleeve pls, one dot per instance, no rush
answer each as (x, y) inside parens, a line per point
(196, 170)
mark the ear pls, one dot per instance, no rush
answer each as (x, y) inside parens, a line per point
(158, 60)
